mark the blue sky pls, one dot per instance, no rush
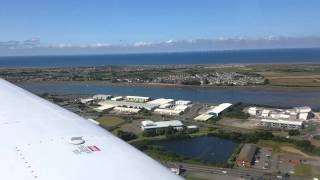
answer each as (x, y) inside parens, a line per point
(124, 22)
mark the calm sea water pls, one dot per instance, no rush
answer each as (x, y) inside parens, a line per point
(216, 57)
(209, 149)
(266, 96)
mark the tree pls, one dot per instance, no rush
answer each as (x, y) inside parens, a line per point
(294, 132)
(127, 136)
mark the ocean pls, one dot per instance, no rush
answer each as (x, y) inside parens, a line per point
(285, 56)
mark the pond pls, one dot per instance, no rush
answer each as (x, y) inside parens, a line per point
(207, 149)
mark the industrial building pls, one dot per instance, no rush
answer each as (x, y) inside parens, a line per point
(101, 97)
(127, 110)
(129, 104)
(301, 113)
(161, 101)
(281, 124)
(118, 98)
(170, 112)
(86, 100)
(104, 107)
(246, 156)
(203, 117)
(218, 109)
(148, 125)
(139, 99)
(182, 102)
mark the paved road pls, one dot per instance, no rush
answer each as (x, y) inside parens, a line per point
(244, 173)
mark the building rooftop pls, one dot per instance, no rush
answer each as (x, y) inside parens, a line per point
(280, 121)
(161, 101)
(129, 104)
(148, 124)
(221, 107)
(203, 117)
(247, 152)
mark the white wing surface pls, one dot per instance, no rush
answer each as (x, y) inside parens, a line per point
(40, 140)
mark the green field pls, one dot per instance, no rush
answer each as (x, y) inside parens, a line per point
(305, 170)
(194, 178)
(110, 121)
(276, 146)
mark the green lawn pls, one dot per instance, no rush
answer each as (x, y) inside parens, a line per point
(305, 170)
(276, 146)
(194, 178)
(110, 121)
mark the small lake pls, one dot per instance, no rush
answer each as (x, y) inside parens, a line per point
(208, 149)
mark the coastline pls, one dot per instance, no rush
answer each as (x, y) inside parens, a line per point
(163, 85)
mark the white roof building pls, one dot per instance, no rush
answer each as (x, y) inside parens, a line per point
(105, 107)
(281, 124)
(137, 98)
(218, 109)
(252, 111)
(118, 98)
(170, 112)
(303, 109)
(127, 110)
(148, 124)
(129, 104)
(101, 96)
(86, 100)
(203, 117)
(182, 102)
(161, 101)
(181, 108)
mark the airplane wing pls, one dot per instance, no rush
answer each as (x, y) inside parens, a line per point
(42, 141)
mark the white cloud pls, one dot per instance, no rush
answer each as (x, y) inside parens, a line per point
(34, 46)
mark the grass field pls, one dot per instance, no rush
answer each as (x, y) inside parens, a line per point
(110, 121)
(194, 178)
(305, 170)
(276, 146)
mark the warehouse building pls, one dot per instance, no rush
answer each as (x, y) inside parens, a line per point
(281, 124)
(182, 102)
(127, 110)
(161, 101)
(100, 97)
(129, 104)
(148, 125)
(218, 109)
(139, 99)
(203, 117)
(246, 156)
(170, 112)
(105, 107)
(118, 98)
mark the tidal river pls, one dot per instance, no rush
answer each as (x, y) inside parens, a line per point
(286, 97)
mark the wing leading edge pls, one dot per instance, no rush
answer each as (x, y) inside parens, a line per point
(41, 140)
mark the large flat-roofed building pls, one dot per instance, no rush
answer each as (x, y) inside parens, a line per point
(218, 109)
(281, 124)
(161, 101)
(139, 99)
(102, 97)
(129, 104)
(246, 155)
(182, 102)
(152, 126)
(127, 110)
(203, 117)
(170, 112)
(105, 107)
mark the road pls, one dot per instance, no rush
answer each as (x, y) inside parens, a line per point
(240, 173)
